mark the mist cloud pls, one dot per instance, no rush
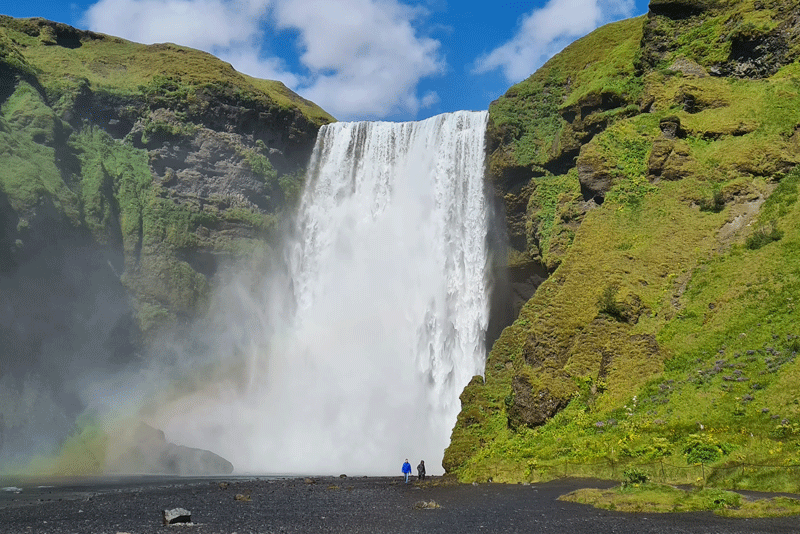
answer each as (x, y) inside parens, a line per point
(544, 32)
(357, 58)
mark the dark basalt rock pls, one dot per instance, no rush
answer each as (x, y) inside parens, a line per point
(678, 9)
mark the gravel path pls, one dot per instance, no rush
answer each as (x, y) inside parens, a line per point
(337, 505)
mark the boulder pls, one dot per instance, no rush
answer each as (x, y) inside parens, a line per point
(176, 515)
(594, 174)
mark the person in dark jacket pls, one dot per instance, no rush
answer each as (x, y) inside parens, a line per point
(406, 469)
(421, 470)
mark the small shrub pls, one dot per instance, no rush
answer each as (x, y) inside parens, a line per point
(784, 430)
(763, 236)
(608, 303)
(715, 499)
(700, 449)
(634, 475)
(715, 204)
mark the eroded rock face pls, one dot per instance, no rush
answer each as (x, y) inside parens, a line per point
(192, 162)
(670, 157)
(532, 408)
(754, 51)
(594, 174)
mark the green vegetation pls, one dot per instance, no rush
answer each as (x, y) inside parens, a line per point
(551, 215)
(28, 130)
(167, 73)
(663, 344)
(94, 135)
(659, 498)
(708, 39)
(529, 117)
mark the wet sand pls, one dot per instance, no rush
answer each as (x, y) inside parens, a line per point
(333, 505)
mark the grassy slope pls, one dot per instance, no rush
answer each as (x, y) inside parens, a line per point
(122, 67)
(704, 359)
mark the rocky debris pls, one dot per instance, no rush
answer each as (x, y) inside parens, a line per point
(426, 505)
(176, 516)
(741, 215)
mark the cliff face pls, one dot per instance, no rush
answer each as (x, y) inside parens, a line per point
(647, 175)
(129, 175)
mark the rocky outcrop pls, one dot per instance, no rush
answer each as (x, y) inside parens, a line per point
(670, 158)
(171, 171)
(532, 408)
(146, 450)
(746, 46)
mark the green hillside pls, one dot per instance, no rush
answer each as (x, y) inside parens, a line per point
(164, 156)
(650, 169)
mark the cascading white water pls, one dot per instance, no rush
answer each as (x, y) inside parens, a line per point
(389, 292)
(391, 286)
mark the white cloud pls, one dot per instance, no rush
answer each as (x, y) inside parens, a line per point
(365, 56)
(547, 30)
(202, 24)
(431, 98)
(358, 58)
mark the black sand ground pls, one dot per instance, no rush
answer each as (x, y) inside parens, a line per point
(335, 505)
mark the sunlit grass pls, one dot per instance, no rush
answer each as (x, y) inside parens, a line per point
(659, 498)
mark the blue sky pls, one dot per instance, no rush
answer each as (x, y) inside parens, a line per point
(359, 59)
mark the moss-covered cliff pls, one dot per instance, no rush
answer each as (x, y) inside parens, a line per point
(649, 171)
(163, 160)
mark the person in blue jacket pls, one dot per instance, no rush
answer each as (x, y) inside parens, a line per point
(406, 469)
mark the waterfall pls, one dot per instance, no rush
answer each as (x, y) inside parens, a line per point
(384, 317)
